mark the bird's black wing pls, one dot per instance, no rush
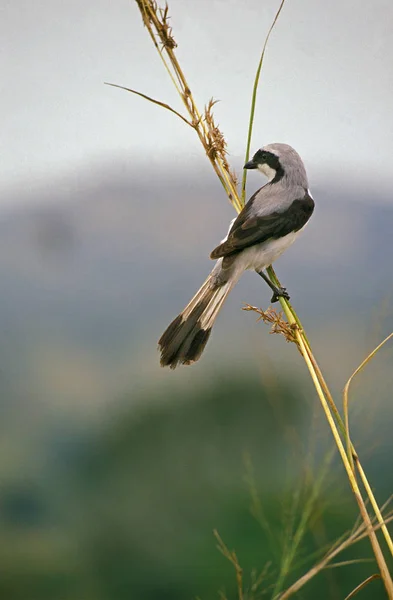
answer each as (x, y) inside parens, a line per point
(248, 230)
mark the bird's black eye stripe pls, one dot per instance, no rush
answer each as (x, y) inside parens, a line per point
(264, 156)
(260, 157)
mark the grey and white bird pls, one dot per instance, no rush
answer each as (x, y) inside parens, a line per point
(268, 224)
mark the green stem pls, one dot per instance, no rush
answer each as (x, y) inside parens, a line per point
(253, 102)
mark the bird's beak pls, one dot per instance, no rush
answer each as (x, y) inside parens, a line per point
(251, 164)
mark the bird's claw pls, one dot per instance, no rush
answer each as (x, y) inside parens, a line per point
(279, 293)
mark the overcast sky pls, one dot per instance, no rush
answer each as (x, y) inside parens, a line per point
(327, 86)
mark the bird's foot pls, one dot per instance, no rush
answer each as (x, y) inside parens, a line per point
(280, 292)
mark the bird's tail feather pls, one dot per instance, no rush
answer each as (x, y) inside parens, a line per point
(186, 337)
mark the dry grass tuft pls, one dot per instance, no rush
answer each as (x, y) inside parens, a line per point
(215, 140)
(275, 319)
(157, 17)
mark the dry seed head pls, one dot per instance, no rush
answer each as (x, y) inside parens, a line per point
(157, 17)
(165, 30)
(215, 144)
(215, 141)
(276, 320)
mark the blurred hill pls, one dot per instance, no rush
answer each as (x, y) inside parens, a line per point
(94, 266)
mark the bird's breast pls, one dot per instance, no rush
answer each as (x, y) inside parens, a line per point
(262, 255)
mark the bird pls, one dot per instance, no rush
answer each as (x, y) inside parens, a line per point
(268, 224)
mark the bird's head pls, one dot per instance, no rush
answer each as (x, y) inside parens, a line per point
(276, 161)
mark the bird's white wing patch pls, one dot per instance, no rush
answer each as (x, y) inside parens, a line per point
(229, 229)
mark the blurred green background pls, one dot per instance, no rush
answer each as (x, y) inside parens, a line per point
(127, 509)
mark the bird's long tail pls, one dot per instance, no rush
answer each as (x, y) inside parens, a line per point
(186, 337)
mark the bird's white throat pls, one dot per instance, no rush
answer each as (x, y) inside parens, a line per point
(268, 171)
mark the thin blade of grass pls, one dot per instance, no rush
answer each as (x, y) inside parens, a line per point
(350, 446)
(253, 101)
(150, 99)
(347, 563)
(363, 585)
(346, 391)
